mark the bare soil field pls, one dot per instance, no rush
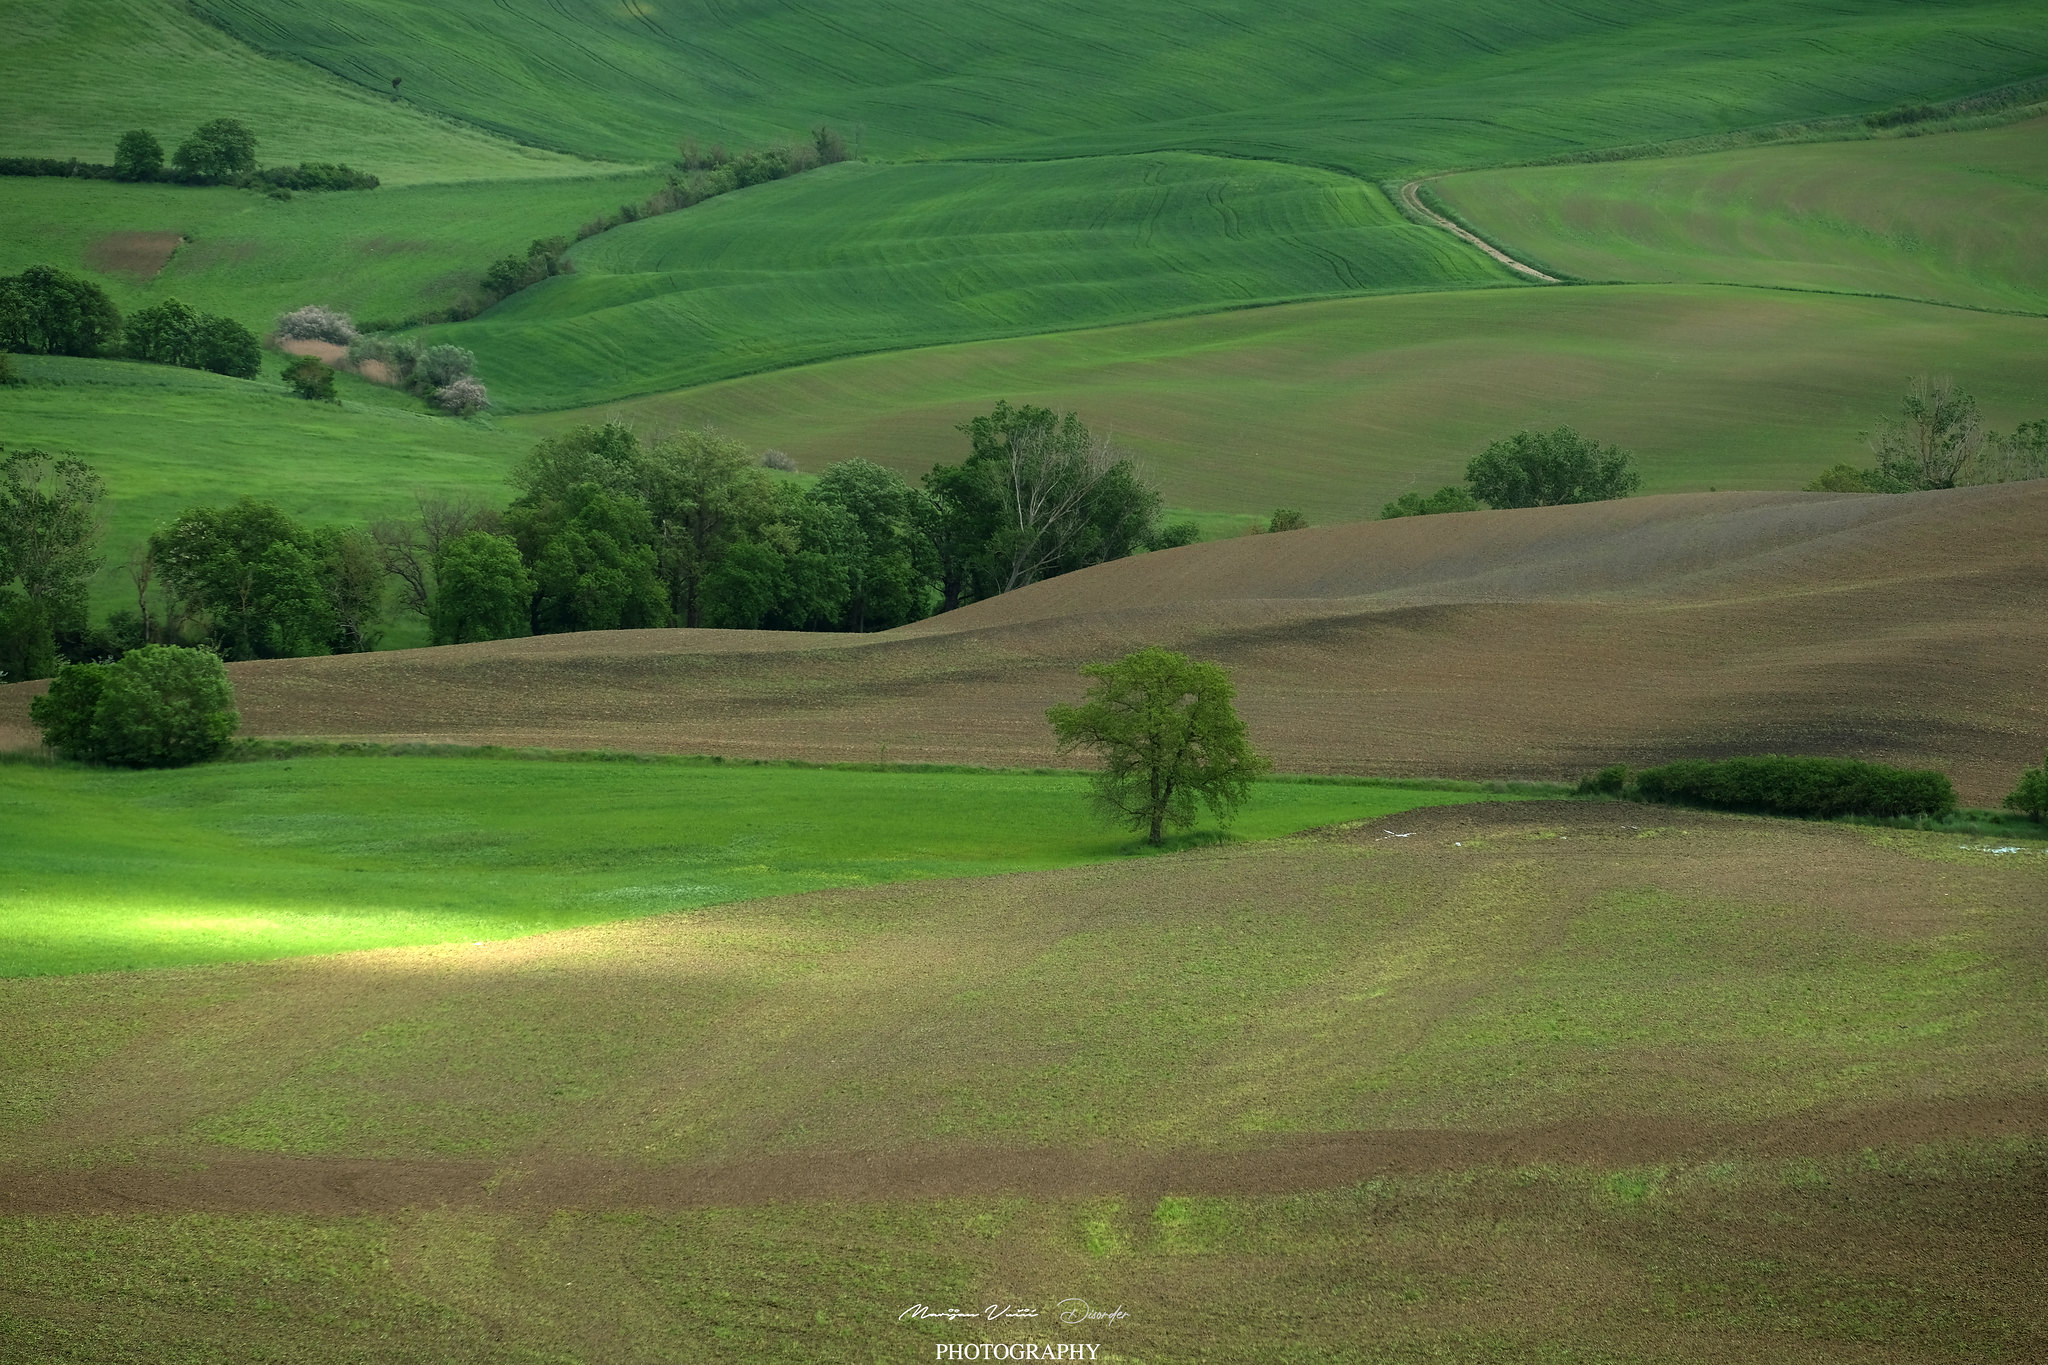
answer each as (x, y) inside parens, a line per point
(1653, 1086)
(141, 255)
(1539, 643)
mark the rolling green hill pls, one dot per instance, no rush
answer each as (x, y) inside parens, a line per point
(388, 254)
(1377, 87)
(1337, 407)
(1953, 217)
(856, 258)
(76, 74)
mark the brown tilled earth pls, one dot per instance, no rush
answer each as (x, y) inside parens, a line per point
(1538, 643)
(142, 255)
(1483, 1083)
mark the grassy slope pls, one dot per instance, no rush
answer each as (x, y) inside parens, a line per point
(166, 439)
(1953, 217)
(1375, 87)
(1553, 1029)
(118, 871)
(79, 73)
(384, 255)
(1337, 407)
(861, 258)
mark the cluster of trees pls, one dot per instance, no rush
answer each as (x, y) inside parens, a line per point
(1816, 788)
(442, 375)
(545, 257)
(1531, 469)
(50, 531)
(1939, 440)
(219, 152)
(44, 311)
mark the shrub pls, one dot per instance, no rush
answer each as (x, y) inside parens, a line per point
(47, 312)
(310, 379)
(463, 398)
(8, 377)
(1173, 535)
(2031, 795)
(219, 150)
(159, 707)
(1287, 519)
(1609, 781)
(314, 323)
(1550, 469)
(775, 459)
(316, 175)
(1452, 497)
(1779, 785)
(440, 366)
(1841, 478)
(138, 156)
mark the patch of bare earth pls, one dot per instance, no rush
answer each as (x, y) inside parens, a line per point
(139, 255)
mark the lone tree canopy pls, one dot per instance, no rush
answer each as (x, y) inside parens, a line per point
(1169, 737)
(1550, 468)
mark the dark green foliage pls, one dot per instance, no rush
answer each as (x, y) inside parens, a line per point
(8, 377)
(1609, 781)
(310, 379)
(47, 312)
(49, 537)
(1932, 443)
(316, 175)
(1549, 469)
(545, 257)
(1840, 478)
(160, 706)
(1173, 535)
(706, 496)
(482, 590)
(174, 333)
(889, 561)
(70, 168)
(1169, 738)
(1452, 497)
(138, 156)
(268, 587)
(2031, 795)
(65, 713)
(216, 151)
(597, 568)
(1819, 787)
(1287, 519)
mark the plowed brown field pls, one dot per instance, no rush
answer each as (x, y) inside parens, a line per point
(1493, 644)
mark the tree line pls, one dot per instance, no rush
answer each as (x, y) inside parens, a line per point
(44, 311)
(221, 151)
(1530, 469)
(607, 532)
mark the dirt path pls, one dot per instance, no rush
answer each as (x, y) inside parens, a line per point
(1285, 1164)
(1414, 201)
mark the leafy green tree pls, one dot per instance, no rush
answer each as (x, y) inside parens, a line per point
(2031, 795)
(482, 590)
(174, 333)
(49, 538)
(1550, 469)
(705, 494)
(1169, 737)
(138, 156)
(353, 574)
(1840, 478)
(47, 312)
(1933, 441)
(256, 574)
(310, 379)
(599, 570)
(160, 706)
(1287, 519)
(1452, 497)
(890, 566)
(791, 575)
(221, 149)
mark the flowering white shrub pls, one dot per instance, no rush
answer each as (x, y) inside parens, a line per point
(314, 323)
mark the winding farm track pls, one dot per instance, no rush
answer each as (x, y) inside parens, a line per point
(1413, 199)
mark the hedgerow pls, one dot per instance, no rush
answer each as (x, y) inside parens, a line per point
(1817, 787)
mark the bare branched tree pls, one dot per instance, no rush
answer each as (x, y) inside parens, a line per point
(1044, 487)
(409, 548)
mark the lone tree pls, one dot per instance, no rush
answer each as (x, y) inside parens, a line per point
(138, 156)
(1169, 737)
(219, 150)
(310, 379)
(1934, 440)
(1549, 469)
(160, 706)
(2031, 795)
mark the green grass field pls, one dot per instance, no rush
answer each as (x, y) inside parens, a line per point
(79, 73)
(1337, 407)
(384, 255)
(229, 862)
(1374, 88)
(861, 258)
(166, 439)
(1953, 217)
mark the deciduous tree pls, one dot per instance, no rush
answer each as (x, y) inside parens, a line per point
(1549, 469)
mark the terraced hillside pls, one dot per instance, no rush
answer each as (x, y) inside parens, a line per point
(1372, 88)
(1529, 1080)
(1540, 643)
(854, 258)
(1953, 218)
